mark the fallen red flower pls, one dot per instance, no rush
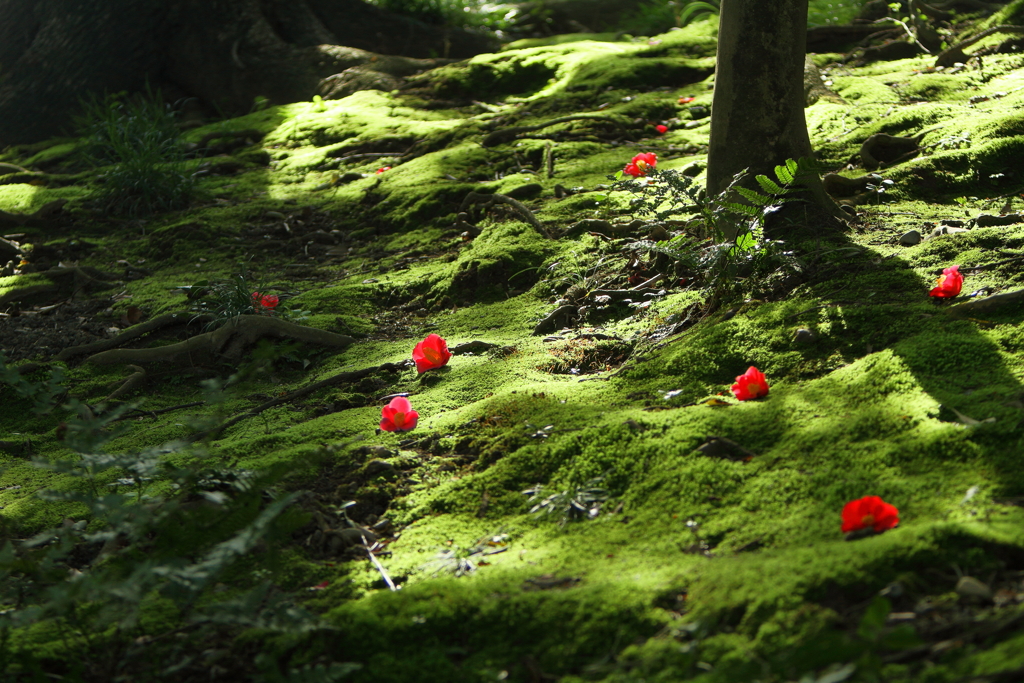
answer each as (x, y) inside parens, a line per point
(398, 416)
(640, 164)
(751, 384)
(950, 283)
(662, 129)
(382, 169)
(431, 353)
(869, 512)
(264, 301)
(686, 100)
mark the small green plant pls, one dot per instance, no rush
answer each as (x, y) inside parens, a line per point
(723, 240)
(136, 142)
(238, 295)
(578, 502)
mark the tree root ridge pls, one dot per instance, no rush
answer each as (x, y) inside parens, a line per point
(340, 378)
(225, 343)
(489, 200)
(157, 323)
(955, 53)
(508, 134)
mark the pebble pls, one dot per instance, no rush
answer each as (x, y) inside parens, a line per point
(910, 238)
(804, 336)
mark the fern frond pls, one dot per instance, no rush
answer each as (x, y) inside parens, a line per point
(744, 209)
(770, 186)
(754, 197)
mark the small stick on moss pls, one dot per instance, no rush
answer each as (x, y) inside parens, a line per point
(379, 566)
(11, 168)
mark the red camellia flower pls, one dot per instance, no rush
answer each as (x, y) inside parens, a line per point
(431, 353)
(263, 302)
(398, 416)
(869, 512)
(949, 283)
(751, 384)
(661, 129)
(640, 164)
(382, 169)
(686, 100)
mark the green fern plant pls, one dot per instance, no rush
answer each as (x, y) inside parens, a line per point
(723, 239)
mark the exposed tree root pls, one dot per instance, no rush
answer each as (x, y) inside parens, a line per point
(815, 88)
(881, 150)
(954, 54)
(157, 323)
(226, 343)
(838, 38)
(508, 134)
(340, 378)
(133, 382)
(489, 200)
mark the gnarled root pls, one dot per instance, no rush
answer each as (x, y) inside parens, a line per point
(881, 150)
(489, 200)
(160, 322)
(226, 343)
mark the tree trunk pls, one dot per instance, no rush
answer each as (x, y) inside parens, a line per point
(225, 52)
(757, 119)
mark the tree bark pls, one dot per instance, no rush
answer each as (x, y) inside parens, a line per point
(757, 115)
(225, 52)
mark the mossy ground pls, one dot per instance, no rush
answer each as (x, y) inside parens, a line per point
(698, 567)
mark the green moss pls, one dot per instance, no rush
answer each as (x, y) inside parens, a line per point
(697, 565)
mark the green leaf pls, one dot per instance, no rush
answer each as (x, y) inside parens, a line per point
(746, 242)
(756, 197)
(744, 209)
(769, 185)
